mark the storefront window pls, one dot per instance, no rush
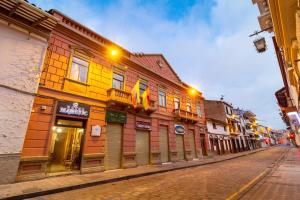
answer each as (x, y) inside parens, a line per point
(118, 81)
(79, 70)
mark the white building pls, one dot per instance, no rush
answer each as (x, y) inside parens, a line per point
(23, 44)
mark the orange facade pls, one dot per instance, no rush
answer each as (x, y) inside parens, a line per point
(103, 84)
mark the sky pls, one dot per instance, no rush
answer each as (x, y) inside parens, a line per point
(206, 42)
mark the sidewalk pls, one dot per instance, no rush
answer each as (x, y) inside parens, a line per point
(64, 183)
(282, 182)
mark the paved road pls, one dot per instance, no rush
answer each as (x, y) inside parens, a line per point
(282, 183)
(214, 181)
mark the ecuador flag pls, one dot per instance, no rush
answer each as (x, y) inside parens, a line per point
(135, 94)
(146, 98)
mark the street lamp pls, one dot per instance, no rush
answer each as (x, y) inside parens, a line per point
(260, 45)
(192, 91)
(114, 52)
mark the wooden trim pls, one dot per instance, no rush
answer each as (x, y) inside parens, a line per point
(34, 158)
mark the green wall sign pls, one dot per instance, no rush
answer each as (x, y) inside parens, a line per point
(116, 117)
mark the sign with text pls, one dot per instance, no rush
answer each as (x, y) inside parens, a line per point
(116, 117)
(143, 125)
(73, 109)
(179, 129)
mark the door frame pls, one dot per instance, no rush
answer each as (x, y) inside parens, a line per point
(149, 144)
(168, 140)
(194, 138)
(121, 148)
(55, 118)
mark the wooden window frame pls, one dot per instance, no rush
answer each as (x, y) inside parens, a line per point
(164, 91)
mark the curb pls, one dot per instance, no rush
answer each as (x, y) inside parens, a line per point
(113, 180)
(248, 186)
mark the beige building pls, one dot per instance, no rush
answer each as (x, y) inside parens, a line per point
(23, 43)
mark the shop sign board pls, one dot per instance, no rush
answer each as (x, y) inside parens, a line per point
(96, 131)
(179, 129)
(143, 125)
(73, 109)
(116, 117)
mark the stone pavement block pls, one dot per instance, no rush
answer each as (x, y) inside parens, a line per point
(282, 183)
(62, 182)
(215, 181)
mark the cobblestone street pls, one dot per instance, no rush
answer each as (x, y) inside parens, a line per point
(214, 181)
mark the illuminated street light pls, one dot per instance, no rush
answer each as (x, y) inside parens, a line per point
(114, 52)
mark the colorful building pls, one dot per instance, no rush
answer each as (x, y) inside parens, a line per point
(283, 19)
(92, 112)
(24, 31)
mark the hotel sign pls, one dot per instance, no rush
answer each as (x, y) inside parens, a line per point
(73, 109)
(179, 129)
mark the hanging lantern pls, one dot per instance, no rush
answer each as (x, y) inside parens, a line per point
(260, 45)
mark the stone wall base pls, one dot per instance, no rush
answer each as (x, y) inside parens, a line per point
(32, 168)
(9, 164)
(129, 160)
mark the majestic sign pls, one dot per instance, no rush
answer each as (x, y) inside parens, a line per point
(73, 109)
(143, 125)
(179, 129)
(117, 117)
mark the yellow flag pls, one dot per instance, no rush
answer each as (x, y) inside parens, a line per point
(146, 98)
(135, 94)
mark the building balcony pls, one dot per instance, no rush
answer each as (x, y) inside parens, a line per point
(184, 115)
(152, 107)
(118, 97)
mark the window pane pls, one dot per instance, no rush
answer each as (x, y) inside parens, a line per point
(118, 77)
(176, 103)
(162, 98)
(74, 74)
(143, 87)
(79, 70)
(80, 61)
(117, 84)
(83, 74)
(198, 110)
(118, 81)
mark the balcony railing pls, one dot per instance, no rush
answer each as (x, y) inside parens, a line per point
(186, 115)
(119, 96)
(152, 106)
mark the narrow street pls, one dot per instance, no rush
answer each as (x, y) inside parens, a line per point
(282, 182)
(214, 181)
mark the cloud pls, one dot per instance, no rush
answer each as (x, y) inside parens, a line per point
(211, 50)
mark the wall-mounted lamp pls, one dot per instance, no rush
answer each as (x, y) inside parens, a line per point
(260, 43)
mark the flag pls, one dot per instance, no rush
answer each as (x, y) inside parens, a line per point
(146, 98)
(135, 94)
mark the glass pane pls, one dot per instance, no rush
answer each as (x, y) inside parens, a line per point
(74, 73)
(143, 87)
(83, 74)
(118, 77)
(162, 98)
(117, 84)
(80, 61)
(69, 123)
